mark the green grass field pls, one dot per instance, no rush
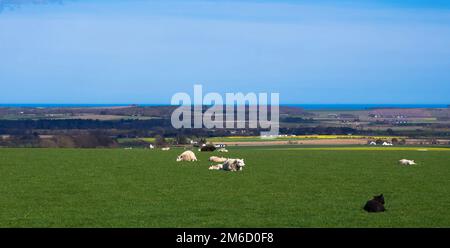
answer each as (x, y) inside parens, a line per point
(281, 187)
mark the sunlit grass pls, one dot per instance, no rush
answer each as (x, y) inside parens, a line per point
(278, 188)
(298, 137)
(363, 148)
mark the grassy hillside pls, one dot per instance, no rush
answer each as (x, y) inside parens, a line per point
(279, 188)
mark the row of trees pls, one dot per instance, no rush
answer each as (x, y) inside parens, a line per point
(83, 124)
(80, 140)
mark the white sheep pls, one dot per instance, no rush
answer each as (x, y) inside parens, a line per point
(216, 159)
(229, 165)
(406, 162)
(187, 156)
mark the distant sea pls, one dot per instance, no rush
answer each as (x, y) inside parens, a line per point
(364, 106)
(304, 106)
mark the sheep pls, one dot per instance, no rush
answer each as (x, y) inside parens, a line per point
(187, 156)
(208, 148)
(165, 148)
(229, 165)
(406, 162)
(151, 146)
(217, 159)
(375, 205)
(222, 150)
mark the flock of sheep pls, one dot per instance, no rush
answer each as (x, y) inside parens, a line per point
(226, 164)
(232, 164)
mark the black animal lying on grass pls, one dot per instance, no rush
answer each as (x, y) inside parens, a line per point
(208, 148)
(375, 205)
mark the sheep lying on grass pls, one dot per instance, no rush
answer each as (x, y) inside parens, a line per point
(187, 156)
(375, 205)
(216, 159)
(208, 148)
(406, 162)
(229, 165)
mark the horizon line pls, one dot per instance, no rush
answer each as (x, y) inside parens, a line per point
(446, 105)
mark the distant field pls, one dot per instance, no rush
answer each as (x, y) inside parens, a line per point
(99, 117)
(149, 140)
(296, 138)
(125, 140)
(281, 187)
(360, 148)
(254, 140)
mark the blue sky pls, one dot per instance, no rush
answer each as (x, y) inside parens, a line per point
(138, 51)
